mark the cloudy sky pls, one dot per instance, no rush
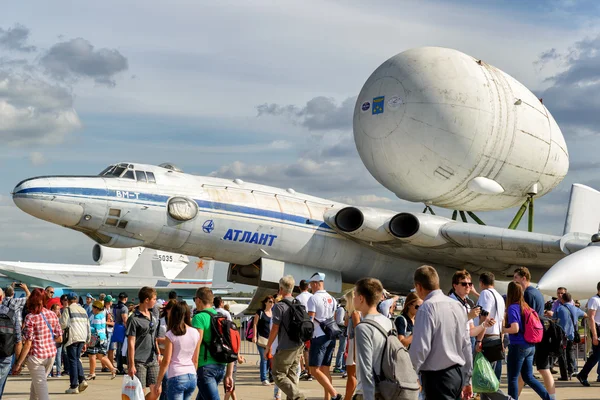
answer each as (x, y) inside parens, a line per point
(260, 90)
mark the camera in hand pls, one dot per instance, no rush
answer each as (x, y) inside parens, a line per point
(483, 313)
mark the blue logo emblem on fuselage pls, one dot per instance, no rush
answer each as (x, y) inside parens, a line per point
(208, 226)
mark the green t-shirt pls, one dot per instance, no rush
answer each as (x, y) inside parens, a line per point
(202, 321)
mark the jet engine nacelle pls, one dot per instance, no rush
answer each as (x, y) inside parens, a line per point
(419, 229)
(108, 255)
(437, 126)
(366, 224)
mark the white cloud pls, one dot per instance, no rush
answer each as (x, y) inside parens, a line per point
(34, 111)
(36, 158)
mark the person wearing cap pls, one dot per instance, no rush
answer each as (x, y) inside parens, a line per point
(75, 319)
(321, 306)
(89, 299)
(110, 323)
(96, 347)
(387, 304)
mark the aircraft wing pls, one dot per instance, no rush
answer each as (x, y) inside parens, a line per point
(441, 241)
(31, 277)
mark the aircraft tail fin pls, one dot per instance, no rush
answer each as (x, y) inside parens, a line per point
(583, 214)
(147, 264)
(201, 271)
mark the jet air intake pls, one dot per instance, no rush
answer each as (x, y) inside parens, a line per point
(422, 230)
(349, 219)
(367, 224)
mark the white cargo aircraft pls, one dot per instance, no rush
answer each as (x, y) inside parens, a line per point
(265, 232)
(432, 125)
(118, 270)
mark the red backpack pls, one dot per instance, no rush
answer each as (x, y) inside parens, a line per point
(533, 330)
(225, 342)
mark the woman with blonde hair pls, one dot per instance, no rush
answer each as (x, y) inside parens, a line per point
(353, 318)
(406, 320)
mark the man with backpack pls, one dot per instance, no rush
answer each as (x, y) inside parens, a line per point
(567, 317)
(535, 300)
(210, 370)
(10, 337)
(16, 307)
(288, 317)
(75, 319)
(441, 346)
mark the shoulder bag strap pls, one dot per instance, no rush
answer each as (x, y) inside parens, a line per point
(48, 324)
(572, 316)
(497, 313)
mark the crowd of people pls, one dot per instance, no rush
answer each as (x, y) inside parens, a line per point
(174, 350)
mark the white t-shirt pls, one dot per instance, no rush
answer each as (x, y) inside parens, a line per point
(384, 307)
(224, 312)
(594, 304)
(323, 305)
(303, 298)
(486, 301)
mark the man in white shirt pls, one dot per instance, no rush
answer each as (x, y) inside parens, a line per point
(303, 299)
(492, 302)
(593, 313)
(219, 304)
(321, 306)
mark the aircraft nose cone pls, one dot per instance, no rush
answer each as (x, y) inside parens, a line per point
(37, 197)
(578, 272)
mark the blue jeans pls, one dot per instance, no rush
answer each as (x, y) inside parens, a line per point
(520, 361)
(181, 387)
(76, 375)
(263, 363)
(340, 362)
(209, 378)
(4, 370)
(58, 359)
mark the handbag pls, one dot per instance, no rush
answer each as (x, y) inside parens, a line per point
(330, 328)
(576, 335)
(492, 346)
(262, 341)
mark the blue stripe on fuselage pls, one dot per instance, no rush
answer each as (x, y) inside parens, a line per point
(157, 198)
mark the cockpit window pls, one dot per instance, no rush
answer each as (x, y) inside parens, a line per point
(105, 172)
(118, 171)
(129, 174)
(151, 178)
(141, 176)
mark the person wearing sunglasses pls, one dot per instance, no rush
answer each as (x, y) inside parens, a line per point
(461, 287)
(405, 321)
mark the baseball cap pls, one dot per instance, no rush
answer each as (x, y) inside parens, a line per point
(99, 304)
(72, 296)
(89, 295)
(108, 299)
(317, 277)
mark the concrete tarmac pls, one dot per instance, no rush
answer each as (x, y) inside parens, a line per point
(248, 387)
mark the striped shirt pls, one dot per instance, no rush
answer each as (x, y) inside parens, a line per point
(98, 325)
(36, 330)
(75, 318)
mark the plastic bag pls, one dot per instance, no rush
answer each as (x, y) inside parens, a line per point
(132, 389)
(484, 378)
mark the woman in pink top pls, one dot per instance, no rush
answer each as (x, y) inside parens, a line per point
(180, 355)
